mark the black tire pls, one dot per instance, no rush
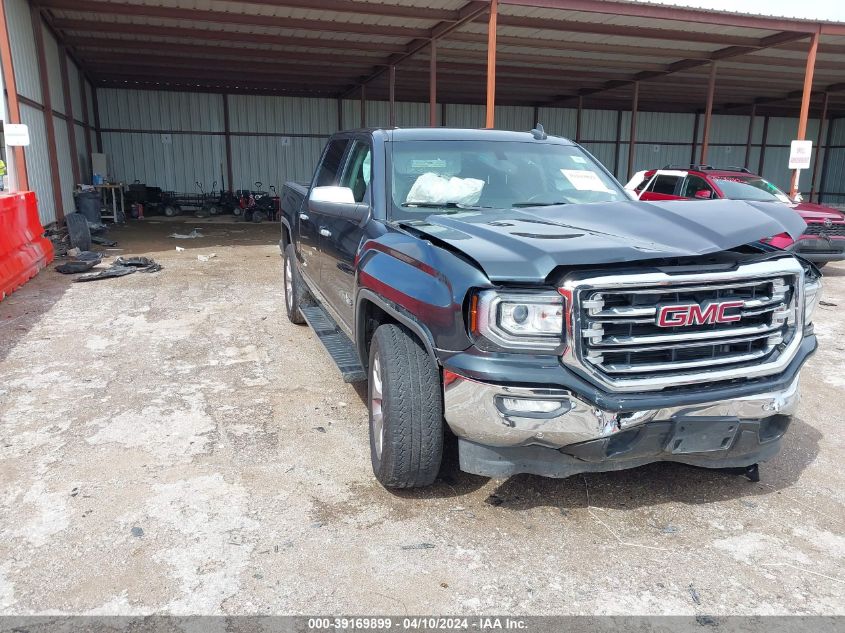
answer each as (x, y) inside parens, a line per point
(407, 449)
(171, 211)
(237, 211)
(296, 294)
(259, 216)
(78, 231)
(214, 209)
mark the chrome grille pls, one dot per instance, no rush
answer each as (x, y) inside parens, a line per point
(835, 230)
(617, 340)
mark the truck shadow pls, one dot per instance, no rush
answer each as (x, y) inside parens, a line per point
(649, 485)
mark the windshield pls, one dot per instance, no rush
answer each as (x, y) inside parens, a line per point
(444, 176)
(750, 189)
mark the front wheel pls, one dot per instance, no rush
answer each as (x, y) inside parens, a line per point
(294, 287)
(406, 410)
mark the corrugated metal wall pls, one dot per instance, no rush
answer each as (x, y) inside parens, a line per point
(279, 138)
(28, 80)
(23, 49)
(834, 176)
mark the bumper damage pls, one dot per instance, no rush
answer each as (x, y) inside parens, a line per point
(505, 430)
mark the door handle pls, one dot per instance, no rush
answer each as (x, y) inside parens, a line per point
(304, 217)
(325, 233)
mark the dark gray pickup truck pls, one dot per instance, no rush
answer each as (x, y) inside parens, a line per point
(500, 289)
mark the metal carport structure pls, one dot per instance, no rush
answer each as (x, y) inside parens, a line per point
(539, 54)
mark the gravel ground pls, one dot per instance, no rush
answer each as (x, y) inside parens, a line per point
(169, 443)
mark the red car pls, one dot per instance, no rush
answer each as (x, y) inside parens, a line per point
(822, 242)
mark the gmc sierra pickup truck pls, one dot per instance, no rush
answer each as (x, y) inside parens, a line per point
(501, 290)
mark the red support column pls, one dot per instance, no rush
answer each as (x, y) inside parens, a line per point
(805, 102)
(491, 64)
(12, 99)
(632, 143)
(432, 85)
(819, 146)
(763, 140)
(694, 138)
(708, 114)
(47, 102)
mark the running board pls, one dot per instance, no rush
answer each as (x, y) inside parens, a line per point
(337, 344)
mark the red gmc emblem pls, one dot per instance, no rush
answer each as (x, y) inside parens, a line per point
(694, 314)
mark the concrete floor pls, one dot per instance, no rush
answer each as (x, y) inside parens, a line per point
(170, 443)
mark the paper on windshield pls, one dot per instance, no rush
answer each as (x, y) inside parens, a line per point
(433, 189)
(584, 180)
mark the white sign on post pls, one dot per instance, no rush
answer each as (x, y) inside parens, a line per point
(800, 153)
(16, 134)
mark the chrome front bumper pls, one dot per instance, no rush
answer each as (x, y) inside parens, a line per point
(476, 412)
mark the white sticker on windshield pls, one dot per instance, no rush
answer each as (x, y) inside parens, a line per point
(584, 180)
(579, 159)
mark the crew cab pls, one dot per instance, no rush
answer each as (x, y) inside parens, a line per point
(823, 240)
(502, 291)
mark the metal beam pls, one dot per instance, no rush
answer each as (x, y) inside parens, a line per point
(819, 145)
(107, 7)
(750, 137)
(467, 14)
(708, 114)
(689, 63)
(392, 96)
(632, 144)
(12, 104)
(805, 102)
(658, 12)
(227, 131)
(71, 126)
(432, 85)
(47, 102)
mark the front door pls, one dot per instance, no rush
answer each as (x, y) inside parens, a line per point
(340, 237)
(328, 174)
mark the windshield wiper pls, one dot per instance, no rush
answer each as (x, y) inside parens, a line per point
(518, 205)
(448, 205)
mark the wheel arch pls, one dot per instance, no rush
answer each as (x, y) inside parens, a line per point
(371, 307)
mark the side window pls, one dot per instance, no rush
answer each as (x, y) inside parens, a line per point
(358, 170)
(694, 184)
(329, 170)
(664, 184)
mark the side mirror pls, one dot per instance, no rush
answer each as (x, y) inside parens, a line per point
(704, 194)
(338, 202)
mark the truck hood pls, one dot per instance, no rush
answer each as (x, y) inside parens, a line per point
(525, 245)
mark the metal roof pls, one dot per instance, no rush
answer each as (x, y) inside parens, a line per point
(550, 52)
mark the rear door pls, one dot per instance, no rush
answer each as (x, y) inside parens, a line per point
(328, 174)
(340, 236)
(664, 186)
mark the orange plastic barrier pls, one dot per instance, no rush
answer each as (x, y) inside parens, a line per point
(23, 248)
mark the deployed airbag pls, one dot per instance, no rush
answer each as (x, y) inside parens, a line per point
(433, 189)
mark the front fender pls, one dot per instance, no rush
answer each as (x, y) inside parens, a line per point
(423, 284)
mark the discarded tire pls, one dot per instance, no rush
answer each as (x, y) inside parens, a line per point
(78, 231)
(170, 211)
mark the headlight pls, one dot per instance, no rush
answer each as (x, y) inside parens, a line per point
(527, 320)
(812, 294)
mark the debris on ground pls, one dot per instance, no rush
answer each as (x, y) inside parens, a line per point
(828, 304)
(137, 532)
(694, 594)
(82, 261)
(143, 264)
(418, 546)
(205, 258)
(98, 239)
(179, 249)
(189, 236)
(123, 266)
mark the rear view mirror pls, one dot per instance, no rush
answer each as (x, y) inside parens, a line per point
(704, 194)
(338, 202)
